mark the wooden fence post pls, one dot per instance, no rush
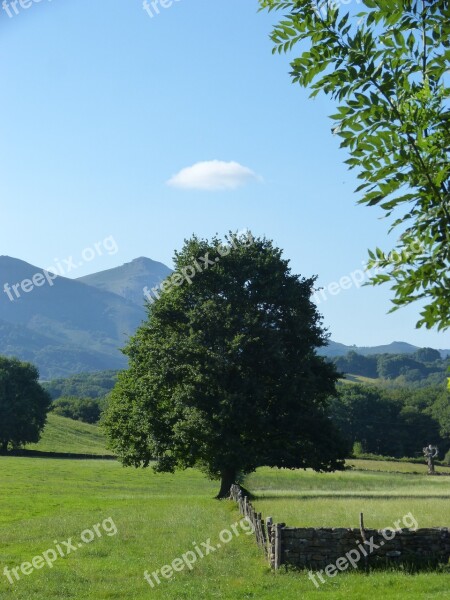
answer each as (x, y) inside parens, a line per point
(262, 533)
(364, 539)
(277, 562)
(269, 523)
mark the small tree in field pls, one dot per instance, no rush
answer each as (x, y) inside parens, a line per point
(224, 375)
(23, 404)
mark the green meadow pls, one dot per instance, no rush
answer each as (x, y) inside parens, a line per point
(312, 499)
(74, 437)
(159, 516)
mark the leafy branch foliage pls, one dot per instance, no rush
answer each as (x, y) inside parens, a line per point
(388, 69)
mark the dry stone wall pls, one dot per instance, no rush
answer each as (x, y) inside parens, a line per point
(317, 548)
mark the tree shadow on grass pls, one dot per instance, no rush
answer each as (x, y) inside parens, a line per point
(63, 455)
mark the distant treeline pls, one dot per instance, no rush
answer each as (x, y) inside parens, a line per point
(393, 422)
(396, 421)
(83, 385)
(81, 397)
(423, 368)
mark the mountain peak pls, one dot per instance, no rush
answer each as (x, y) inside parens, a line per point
(143, 259)
(130, 279)
(60, 324)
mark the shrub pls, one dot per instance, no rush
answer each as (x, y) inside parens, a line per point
(447, 458)
(357, 449)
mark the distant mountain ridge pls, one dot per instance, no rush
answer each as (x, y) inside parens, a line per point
(336, 349)
(68, 326)
(62, 325)
(130, 279)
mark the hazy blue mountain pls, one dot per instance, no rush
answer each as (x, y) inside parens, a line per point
(130, 279)
(63, 325)
(336, 349)
(68, 326)
(53, 359)
(392, 348)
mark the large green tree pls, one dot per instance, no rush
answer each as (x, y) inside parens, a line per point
(23, 403)
(224, 374)
(386, 63)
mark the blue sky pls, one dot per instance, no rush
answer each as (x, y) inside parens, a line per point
(102, 105)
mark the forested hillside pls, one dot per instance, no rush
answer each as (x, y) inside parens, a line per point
(393, 422)
(423, 368)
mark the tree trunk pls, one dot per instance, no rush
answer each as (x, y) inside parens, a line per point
(3, 447)
(228, 477)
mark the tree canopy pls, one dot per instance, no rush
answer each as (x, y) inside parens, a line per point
(82, 385)
(387, 66)
(23, 403)
(224, 373)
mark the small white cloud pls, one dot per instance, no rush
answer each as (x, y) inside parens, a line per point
(213, 175)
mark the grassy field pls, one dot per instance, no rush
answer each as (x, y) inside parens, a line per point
(393, 466)
(158, 517)
(311, 499)
(65, 435)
